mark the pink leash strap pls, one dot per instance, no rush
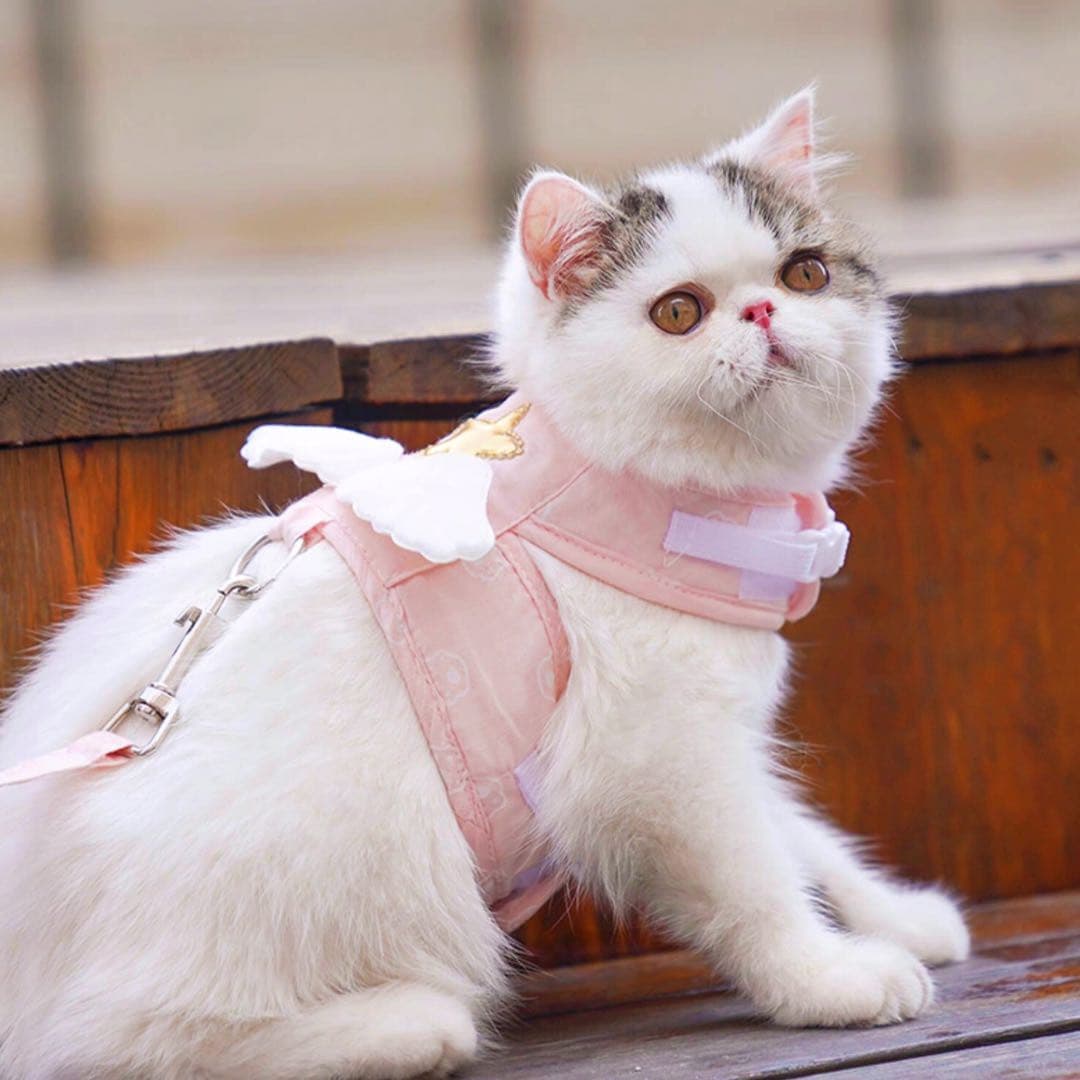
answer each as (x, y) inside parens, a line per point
(98, 750)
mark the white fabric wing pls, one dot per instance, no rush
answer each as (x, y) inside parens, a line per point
(333, 454)
(435, 504)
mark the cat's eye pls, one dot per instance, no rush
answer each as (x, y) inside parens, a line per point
(805, 273)
(677, 312)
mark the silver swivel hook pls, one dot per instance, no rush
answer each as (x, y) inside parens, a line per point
(157, 702)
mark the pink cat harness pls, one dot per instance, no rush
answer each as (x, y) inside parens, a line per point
(480, 645)
(471, 624)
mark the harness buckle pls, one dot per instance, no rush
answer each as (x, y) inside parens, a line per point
(832, 544)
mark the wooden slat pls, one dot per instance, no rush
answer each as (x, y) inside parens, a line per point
(164, 393)
(1015, 987)
(989, 321)
(38, 569)
(953, 614)
(1052, 1057)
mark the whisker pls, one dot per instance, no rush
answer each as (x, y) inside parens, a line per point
(727, 419)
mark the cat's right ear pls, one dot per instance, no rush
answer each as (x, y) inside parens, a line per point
(559, 227)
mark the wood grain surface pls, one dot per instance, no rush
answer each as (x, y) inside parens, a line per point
(75, 511)
(1014, 1007)
(164, 393)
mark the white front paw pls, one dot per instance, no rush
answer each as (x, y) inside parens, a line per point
(842, 981)
(923, 921)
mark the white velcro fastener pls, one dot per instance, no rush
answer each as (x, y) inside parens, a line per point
(803, 556)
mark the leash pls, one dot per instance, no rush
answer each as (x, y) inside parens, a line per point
(157, 703)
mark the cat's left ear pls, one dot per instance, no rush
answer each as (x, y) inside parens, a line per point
(783, 145)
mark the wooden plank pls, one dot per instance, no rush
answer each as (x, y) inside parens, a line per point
(112, 312)
(417, 371)
(1047, 1058)
(164, 393)
(109, 313)
(37, 550)
(75, 511)
(998, 926)
(990, 321)
(937, 325)
(1003, 921)
(1011, 989)
(70, 365)
(412, 434)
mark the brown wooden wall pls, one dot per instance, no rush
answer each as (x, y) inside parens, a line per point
(73, 511)
(939, 689)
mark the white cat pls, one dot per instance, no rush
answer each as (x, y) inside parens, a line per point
(282, 890)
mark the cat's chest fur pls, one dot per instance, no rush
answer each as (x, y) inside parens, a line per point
(626, 650)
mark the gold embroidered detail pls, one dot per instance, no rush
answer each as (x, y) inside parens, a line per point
(496, 440)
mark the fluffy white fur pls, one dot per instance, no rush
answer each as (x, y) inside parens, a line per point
(282, 890)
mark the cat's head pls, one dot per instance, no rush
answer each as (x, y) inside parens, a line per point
(706, 323)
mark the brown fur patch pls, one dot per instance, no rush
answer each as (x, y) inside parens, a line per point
(625, 235)
(798, 225)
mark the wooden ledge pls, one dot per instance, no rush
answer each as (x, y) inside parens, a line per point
(1014, 1008)
(104, 354)
(147, 395)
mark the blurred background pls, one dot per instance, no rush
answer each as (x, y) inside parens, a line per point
(137, 131)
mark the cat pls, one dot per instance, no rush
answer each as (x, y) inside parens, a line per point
(282, 890)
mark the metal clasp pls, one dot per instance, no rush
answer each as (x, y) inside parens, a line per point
(157, 702)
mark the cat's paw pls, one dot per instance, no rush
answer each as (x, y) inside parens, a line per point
(923, 921)
(849, 981)
(436, 1041)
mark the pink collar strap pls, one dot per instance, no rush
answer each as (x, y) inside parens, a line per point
(749, 558)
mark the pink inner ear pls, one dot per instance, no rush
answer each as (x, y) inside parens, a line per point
(785, 143)
(558, 231)
(796, 143)
(799, 131)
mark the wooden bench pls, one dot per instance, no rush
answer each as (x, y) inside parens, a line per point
(1012, 1010)
(939, 688)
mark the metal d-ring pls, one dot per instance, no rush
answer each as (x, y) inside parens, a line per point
(241, 584)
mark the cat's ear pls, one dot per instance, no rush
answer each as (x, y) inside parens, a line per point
(783, 145)
(559, 227)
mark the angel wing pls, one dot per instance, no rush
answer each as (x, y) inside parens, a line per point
(333, 454)
(433, 504)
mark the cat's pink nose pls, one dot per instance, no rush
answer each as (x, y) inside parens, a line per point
(759, 313)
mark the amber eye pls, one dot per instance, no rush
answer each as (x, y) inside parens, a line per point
(677, 312)
(805, 273)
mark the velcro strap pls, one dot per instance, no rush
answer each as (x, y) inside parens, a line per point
(802, 556)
